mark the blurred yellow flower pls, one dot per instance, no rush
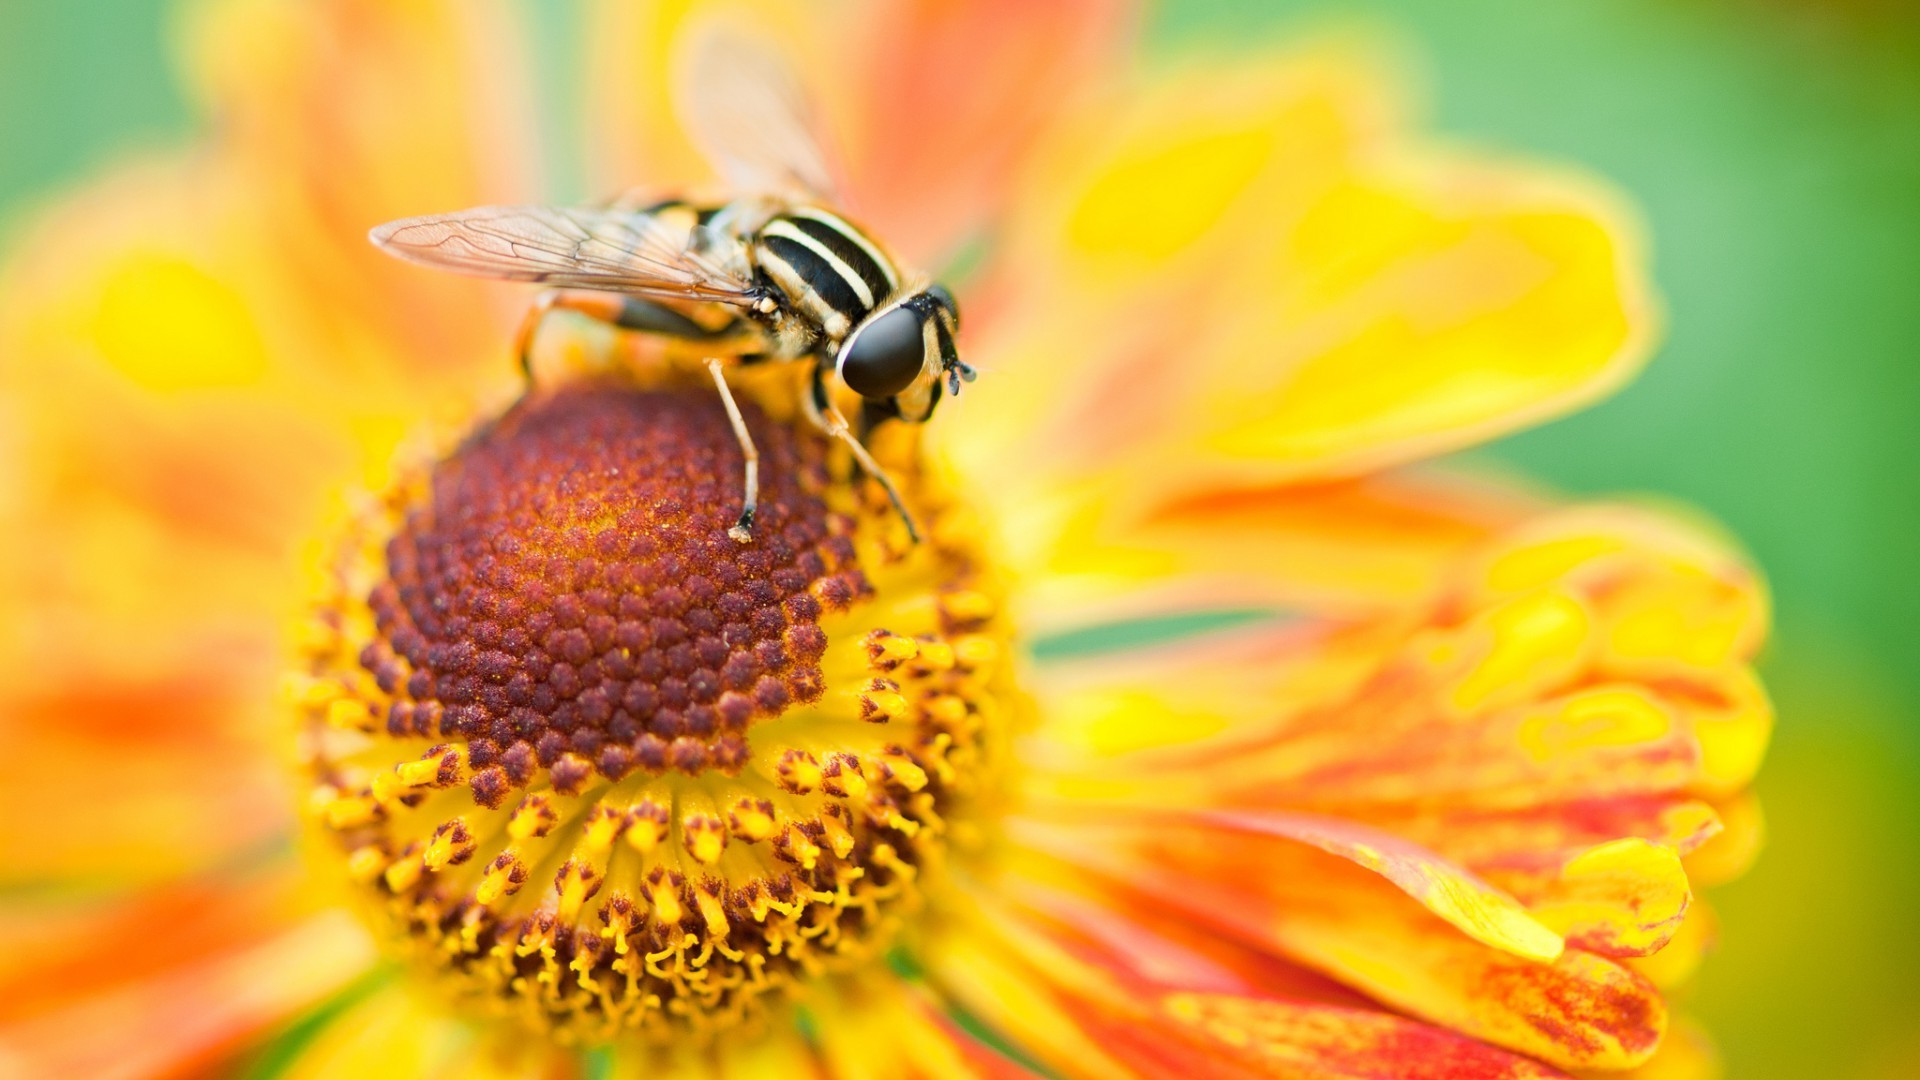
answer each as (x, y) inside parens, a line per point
(1209, 734)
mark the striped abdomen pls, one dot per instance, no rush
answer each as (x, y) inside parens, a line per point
(832, 274)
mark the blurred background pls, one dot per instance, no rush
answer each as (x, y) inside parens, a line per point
(1774, 146)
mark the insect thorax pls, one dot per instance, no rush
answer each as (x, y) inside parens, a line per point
(833, 275)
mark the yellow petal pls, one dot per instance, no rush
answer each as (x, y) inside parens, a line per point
(1342, 549)
(1127, 250)
(213, 344)
(984, 975)
(1580, 1010)
(1474, 907)
(1677, 595)
(1626, 897)
(1196, 690)
(1144, 1004)
(387, 1034)
(1486, 302)
(1677, 961)
(1518, 848)
(1730, 854)
(1733, 720)
(1307, 290)
(879, 1028)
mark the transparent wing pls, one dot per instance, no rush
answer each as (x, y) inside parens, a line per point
(749, 114)
(610, 249)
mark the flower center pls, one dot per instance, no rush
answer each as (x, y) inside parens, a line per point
(596, 765)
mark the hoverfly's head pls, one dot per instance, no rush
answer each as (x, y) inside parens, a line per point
(901, 354)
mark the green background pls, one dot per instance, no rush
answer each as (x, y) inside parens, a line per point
(1775, 150)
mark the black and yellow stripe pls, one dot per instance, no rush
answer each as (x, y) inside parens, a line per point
(828, 270)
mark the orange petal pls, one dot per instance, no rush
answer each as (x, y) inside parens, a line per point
(214, 345)
(1581, 1010)
(1687, 1053)
(1503, 692)
(1138, 1024)
(931, 107)
(785, 1057)
(1476, 908)
(995, 73)
(1517, 845)
(117, 784)
(179, 1021)
(1603, 742)
(163, 477)
(1316, 1041)
(1145, 184)
(1607, 876)
(57, 954)
(347, 114)
(1155, 943)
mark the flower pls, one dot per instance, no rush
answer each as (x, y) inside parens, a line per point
(1326, 762)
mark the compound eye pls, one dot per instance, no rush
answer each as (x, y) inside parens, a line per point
(945, 299)
(885, 355)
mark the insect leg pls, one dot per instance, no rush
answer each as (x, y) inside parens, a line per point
(604, 307)
(873, 414)
(651, 318)
(742, 530)
(529, 326)
(822, 412)
(626, 312)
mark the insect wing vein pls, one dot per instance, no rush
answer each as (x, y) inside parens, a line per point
(750, 116)
(611, 249)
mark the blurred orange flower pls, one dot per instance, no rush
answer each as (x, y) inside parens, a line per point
(1340, 765)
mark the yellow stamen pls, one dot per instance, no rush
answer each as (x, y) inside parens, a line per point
(670, 777)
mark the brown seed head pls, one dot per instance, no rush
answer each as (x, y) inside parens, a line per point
(597, 766)
(567, 599)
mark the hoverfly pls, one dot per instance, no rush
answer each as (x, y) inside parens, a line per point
(794, 280)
